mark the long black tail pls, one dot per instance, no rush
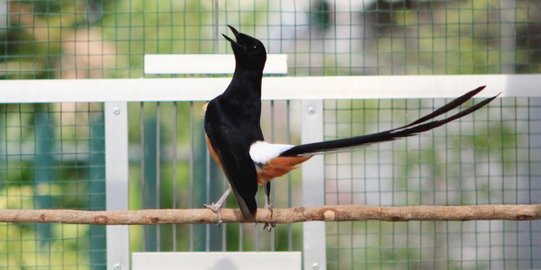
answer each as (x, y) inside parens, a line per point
(415, 127)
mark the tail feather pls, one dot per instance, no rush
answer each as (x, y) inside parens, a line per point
(447, 107)
(417, 126)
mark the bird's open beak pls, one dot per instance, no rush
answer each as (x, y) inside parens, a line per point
(235, 32)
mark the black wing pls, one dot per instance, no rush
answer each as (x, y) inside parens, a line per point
(232, 149)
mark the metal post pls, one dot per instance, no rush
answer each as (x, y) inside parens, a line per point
(116, 176)
(313, 176)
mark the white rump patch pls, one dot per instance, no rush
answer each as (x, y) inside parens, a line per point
(261, 152)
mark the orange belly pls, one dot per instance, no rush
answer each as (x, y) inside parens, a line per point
(277, 167)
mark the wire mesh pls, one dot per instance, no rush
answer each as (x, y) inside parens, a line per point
(490, 157)
(107, 39)
(52, 157)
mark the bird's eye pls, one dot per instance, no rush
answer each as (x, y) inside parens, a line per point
(254, 46)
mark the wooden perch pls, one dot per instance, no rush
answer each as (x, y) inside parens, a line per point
(289, 215)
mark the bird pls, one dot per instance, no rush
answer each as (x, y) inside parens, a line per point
(235, 140)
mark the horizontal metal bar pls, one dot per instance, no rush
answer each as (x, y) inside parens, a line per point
(274, 88)
(206, 64)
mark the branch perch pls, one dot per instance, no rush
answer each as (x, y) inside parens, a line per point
(288, 215)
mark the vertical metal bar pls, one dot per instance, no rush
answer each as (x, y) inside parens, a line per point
(157, 160)
(208, 199)
(142, 162)
(174, 165)
(192, 188)
(273, 139)
(314, 255)
(116, 176)
(289, 195)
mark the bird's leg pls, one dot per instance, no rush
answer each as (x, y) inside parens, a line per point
(268, 205)
(217, 206)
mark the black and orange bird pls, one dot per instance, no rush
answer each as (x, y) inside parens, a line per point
(235, 140)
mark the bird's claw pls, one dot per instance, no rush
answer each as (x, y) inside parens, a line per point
(269, 226)
(216, 209)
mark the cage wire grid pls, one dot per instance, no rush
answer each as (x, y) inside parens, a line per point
(454, 165)
(52, 157)
(107, 39)
(156, 157)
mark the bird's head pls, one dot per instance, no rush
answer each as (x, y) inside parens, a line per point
(249, 52)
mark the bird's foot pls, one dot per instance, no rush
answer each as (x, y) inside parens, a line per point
(214, 207)
(269, 225)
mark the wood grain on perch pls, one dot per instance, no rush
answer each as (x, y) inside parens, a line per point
(280, 216)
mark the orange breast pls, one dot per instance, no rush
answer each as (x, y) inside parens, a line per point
(212, 151)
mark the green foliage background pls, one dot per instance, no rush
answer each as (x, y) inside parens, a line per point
(108, 39)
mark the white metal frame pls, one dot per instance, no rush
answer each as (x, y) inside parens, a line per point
(274, 88)
(116, 184)
(206, 64)
(313, 186)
